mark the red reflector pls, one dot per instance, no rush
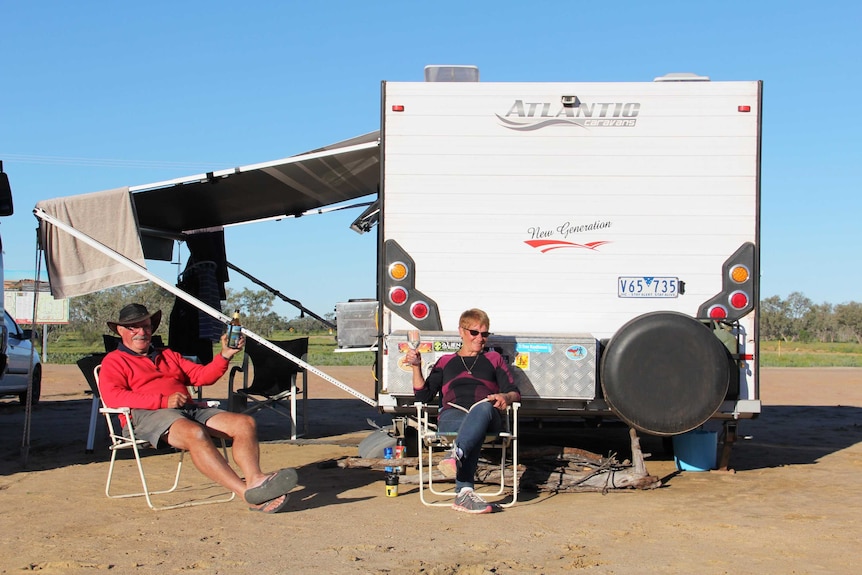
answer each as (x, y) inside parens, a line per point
(738, 300)
(747, 356)
(397, 108)
(419, 310)
(398, 295)
(717, 312)
(743, 108)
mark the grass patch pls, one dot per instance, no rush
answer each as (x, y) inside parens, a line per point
(797, 354)
(321, 351)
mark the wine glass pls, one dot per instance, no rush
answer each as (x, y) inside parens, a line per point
(413, 338)
(413, 341)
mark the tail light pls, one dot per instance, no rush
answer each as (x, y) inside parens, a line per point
(738, 284)
(402, 297)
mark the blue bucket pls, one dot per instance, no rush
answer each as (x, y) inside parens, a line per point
(696, 450)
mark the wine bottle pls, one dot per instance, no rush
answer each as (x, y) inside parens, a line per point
(234, 330)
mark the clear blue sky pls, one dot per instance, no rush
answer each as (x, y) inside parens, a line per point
(97, 95)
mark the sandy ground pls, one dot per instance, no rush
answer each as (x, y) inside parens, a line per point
(791, 507)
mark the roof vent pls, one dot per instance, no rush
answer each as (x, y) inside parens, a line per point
(681, 77)
(451, 74)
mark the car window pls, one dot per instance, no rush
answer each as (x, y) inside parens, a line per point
(11, 326)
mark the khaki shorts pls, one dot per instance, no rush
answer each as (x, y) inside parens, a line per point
(153, 424)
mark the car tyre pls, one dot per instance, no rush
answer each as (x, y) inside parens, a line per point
(37, 387)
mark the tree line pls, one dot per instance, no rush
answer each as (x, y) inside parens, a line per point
(796, 318)
(89, 313)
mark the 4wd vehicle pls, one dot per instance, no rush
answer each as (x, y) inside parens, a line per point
(18, 351)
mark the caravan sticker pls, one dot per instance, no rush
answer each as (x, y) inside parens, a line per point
(528, 116)
(545, 239)
(548, 245)
(576, 352)
(533, 347)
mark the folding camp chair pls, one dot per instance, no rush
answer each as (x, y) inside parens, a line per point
(87, 365)
(273, 385)
(120, 442)
(432, 441)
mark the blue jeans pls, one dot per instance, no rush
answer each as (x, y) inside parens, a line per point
(472, 428)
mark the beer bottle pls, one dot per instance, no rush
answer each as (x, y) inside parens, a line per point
(234, 330)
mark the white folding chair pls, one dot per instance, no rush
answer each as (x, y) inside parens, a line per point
(431, 441)
(120, 442)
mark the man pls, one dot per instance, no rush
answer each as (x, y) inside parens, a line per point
(152, 382)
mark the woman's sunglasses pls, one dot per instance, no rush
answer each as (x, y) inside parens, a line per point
(475, 332)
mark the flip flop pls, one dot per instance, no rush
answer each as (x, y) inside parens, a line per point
(276, 484)
(272, 506)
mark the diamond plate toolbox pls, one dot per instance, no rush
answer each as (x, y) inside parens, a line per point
(544, 367)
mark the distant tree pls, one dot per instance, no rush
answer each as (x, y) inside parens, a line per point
(849, 317)
(798, 307)
(775, 323)
(821, 323)
(89, 313)
(305, 324)
(256, 310)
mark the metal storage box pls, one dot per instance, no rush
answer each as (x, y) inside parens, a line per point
(356, 321)
(543, 366)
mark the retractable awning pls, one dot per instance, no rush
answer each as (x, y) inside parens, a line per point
(289, 187)
(174, 209)
(77, 238)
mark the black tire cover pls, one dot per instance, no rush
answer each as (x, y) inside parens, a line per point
(665, 373)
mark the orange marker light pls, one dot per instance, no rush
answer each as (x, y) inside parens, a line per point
(397, 271)
(739, 274)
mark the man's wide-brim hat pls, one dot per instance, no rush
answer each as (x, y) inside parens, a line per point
(135, 313)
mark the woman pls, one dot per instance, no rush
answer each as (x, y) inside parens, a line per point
(476, 388)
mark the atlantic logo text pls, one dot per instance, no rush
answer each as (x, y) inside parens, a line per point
(528, 116)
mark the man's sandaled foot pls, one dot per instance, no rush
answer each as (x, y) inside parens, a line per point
(273, 506)
(276, 484)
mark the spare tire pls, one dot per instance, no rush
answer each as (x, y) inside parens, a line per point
(665, 373)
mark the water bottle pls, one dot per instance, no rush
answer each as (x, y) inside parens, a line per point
(400, 453)
(388, 454)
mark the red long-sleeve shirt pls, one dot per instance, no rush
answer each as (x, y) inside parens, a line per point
(146, 381)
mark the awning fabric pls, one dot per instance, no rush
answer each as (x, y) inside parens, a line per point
(286, 187)
(75, 268)
(170, 210)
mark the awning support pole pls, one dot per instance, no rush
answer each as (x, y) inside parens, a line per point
(134, 266)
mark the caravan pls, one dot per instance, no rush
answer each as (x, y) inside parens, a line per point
(611, 231)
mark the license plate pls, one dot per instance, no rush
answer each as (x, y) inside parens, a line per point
(647, 286)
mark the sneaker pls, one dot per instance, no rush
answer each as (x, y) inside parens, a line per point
(468, 502)
(449, 466)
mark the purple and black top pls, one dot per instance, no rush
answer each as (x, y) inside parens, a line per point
(466, 380)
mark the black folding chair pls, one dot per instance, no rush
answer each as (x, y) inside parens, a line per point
(273, 381)
(87, 364)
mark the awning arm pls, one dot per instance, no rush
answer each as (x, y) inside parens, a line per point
(283, 297)
(134, 266)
